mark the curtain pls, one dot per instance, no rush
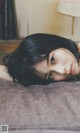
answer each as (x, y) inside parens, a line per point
(8, 20)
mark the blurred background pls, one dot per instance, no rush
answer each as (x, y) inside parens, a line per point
(20, 18)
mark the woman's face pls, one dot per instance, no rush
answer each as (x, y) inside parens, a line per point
(60, 65)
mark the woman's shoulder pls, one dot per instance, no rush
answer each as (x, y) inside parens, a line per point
(4, 73)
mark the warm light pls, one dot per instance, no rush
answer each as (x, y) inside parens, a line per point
(70, 8)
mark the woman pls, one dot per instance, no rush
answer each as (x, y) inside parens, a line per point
(42, 59)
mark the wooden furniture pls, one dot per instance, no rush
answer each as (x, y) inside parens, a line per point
(8, 46)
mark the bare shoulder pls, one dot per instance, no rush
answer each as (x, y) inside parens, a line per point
(2, 67)
(4, 73)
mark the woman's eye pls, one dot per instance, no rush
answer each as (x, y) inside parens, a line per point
(50, 75)
(52, 60)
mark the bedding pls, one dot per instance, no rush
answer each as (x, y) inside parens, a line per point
(54, 106)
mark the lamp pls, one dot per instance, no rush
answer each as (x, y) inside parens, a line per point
(70, 8)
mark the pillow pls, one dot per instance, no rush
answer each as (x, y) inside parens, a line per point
(54, 106)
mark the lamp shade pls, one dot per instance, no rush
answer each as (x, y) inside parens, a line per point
(69, 7)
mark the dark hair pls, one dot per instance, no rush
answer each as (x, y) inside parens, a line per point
(35, 48)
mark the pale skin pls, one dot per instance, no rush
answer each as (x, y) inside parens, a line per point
(61, 62)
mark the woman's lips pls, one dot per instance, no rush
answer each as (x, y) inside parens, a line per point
(73, 70)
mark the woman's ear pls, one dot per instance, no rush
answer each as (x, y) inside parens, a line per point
(78, 45)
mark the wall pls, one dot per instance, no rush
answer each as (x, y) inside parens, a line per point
(41, 16)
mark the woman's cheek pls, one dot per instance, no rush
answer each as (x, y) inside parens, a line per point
(58, 77)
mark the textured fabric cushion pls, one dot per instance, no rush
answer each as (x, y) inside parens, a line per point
(53, 106)
(40, 131)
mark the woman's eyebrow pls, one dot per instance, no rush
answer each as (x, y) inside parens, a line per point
(39, 73)
(47, 61)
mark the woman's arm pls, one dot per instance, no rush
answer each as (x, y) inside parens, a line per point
(4, 74)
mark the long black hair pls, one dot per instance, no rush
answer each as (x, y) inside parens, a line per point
(35, 48)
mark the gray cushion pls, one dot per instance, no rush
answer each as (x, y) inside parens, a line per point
(41, 131)
(53, 106)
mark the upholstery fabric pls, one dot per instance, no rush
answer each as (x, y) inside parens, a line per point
(42, 131)
(53, 106)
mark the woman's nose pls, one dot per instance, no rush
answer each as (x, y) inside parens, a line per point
(67, 70)
(61, 70)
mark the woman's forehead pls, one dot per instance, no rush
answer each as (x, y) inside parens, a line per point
(59, 51)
